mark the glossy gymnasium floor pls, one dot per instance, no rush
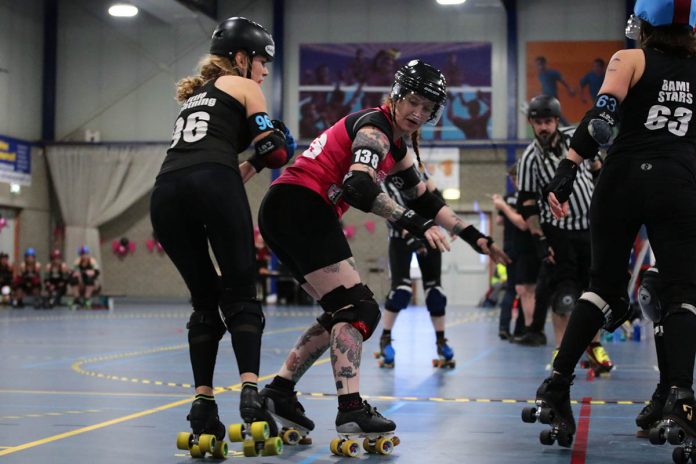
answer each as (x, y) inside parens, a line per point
(113, 387)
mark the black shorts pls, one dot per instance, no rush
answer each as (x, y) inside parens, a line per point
(526, 268)
(301, 229)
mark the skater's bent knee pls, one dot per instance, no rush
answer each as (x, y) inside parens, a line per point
(244, 316)
(616, 310)
(355, 305)
(435, 301)
(205, 326)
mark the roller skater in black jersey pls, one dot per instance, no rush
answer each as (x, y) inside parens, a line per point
(199, 203)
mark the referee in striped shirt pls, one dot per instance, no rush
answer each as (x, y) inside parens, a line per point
(562, 244)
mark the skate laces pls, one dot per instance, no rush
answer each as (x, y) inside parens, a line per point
(371, 410)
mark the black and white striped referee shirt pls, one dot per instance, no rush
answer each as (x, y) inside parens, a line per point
(536, 169)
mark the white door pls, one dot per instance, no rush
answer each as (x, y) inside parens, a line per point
(7, 233)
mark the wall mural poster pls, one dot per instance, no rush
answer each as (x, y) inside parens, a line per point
(337, 79)
(570, 71)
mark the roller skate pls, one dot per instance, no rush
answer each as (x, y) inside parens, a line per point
(678, 426)
(553, 408)
(445, 355)
(598, 362)
(375, 430)
(386, 352)
(258, 433)
(651, 414)
(288, 414)
(208, 432)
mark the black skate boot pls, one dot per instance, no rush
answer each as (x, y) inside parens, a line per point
(365, 423)
(259, 432)
(386, 353)
(553, 408)
(652, 412)
(288, 414)
(678, 426)
(208, 432)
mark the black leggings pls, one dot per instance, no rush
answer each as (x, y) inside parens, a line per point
(400, 264)
(191, 207)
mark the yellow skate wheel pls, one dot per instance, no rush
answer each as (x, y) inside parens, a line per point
(183, 441)
(291, 437)
(368, 447)
(335, 447)
(260, 431)
(236, 432)
(395, 440)
(221, 450)
(249, 448)
(206, 442)
(384, 446)
(350, 448)
(273, 446)
(197, 452)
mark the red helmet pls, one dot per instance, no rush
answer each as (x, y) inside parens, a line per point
(56, 254)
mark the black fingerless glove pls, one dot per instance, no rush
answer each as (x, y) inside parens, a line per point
(414, 223)
(471, 235)
(562, 183)
(541, 246)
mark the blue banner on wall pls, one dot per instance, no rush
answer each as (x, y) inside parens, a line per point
(15, 161)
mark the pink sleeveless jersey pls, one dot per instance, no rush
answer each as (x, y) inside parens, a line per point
(322, 167)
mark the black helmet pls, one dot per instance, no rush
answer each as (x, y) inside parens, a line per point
(424, 80)
(544, 106)
(235, 34)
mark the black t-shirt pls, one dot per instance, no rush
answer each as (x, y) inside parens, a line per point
(212, 127)
(656, 117)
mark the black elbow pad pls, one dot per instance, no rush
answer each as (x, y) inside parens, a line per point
(427, 205)
(359, 190)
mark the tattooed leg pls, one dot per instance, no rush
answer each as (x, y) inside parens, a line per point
(309, 347)
(346, 351)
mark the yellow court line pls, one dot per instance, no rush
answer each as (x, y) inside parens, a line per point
(118, 420)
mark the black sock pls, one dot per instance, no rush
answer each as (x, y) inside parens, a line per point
(282, 384)
(662, 363)
(585, 320)
(349, 402)
(252, 385)
(201, 396)
(386, 333)
(440, 335)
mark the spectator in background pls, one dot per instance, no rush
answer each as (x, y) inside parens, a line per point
(28, 280)
(6, 278)
(84, 280)
(56, 279)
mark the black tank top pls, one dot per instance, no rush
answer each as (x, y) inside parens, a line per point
(211, 128)
(657, 116)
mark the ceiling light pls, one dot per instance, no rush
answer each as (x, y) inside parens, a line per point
(123, 10)
(450, 2)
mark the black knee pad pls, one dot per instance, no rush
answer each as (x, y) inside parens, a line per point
(74, 280)
(435, 301)
(244, 316)
(679, 308)
(563, 301)
(399, 297)
(649, 295)
(616, 310)
(355, 305)
(204, 326)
